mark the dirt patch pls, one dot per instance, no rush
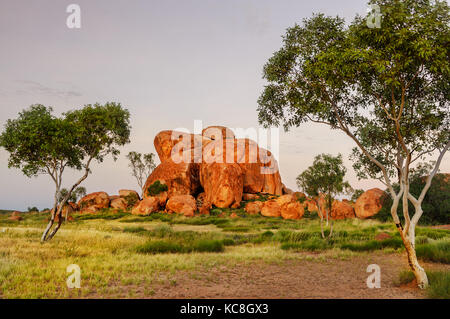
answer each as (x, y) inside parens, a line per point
(291, 279)
(382, 236)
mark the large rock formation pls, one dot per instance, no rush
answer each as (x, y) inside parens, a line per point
(215, 162)
(369, 203)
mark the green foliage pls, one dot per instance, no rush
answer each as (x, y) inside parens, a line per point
(156, 188)
(76, 194)
(436, 203)
(32, 209)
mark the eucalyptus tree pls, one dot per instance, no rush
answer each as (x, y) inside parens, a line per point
(386, 88)
(324, 178)
(142, 165)
(41, 143)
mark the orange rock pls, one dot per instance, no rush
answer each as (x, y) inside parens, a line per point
(113, 197)
(126, 192)
(165, 142)
(271, 209)
(146, 206)
(342, 210)
(93, 202)
(284, 199)
(299, 195)
(259, 167)
(234, 215)
(222, 183)
(182, 204)
(15, 216)
(369, 203)
(311, 205)
(180, 178)
(74, 206)
(217, 132)
(292, 210)
(119, 203)
(254, 208)
(286, 190)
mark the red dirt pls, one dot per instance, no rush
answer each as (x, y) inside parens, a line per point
(292, 279)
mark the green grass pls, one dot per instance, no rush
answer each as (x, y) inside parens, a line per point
(438, 251)
(166, 246)
(439, 283)
(114, 248)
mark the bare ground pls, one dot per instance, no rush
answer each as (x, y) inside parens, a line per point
(291, 279)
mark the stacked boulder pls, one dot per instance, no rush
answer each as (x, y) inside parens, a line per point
(214, 168)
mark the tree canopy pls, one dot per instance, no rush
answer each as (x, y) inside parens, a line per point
(41, 143)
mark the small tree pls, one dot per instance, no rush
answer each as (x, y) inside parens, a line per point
(324, 178)
(141, 166)
(77, 193)
(40, 143)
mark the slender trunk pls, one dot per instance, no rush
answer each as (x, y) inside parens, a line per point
(52, 217)
(61, 205)
(419, 272)
(321, 219)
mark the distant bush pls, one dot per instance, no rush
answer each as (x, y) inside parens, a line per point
(208, 246)
(156, 188)
(134, 230)
(159, 247)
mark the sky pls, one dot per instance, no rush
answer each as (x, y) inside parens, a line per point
(169, 62)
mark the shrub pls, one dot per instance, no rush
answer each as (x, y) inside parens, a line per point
(156, 188)
(374, 245)
(162, 231)
(208, 246)
(313, 244)
(436, 251)
(134, 230)
(159, 247)
(131, 199)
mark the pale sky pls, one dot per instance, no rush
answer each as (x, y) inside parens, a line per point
(168, 62)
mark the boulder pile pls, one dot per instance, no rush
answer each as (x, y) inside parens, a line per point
(216, 169)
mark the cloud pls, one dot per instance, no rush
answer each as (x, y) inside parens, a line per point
(36, 88)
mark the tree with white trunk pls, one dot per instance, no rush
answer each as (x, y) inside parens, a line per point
(386, 88)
